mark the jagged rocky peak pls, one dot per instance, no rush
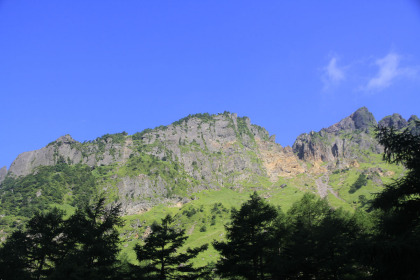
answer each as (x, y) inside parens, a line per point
(413, 118)
(338, 141)
(66, 139)
(395, 121)
(362, 120)
(413, 125)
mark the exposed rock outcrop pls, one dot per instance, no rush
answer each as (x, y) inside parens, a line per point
(209, 151)
(278, 161)
(413, 125)
(339, 141)
(361, 120)
(65, 149)
(3, 173)
(205, 151)
(395, 121)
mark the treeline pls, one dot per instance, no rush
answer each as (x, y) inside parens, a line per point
(309, 241)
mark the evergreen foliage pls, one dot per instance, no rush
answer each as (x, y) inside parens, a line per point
(319, 242)
(395, 249)
(93, 241)
(85, 246)
(23, 196)
(250, 241)
(310, 241)
(160, 257)
(33, 253)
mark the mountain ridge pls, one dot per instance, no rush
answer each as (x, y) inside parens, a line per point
(201, 152)
(361, 120)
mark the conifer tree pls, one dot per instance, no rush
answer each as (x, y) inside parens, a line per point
(250, 241)
(14, 263)
(319, 242)
(92, 243)
(396, 250)
(35, 251)
(85, 246)
(160, 256)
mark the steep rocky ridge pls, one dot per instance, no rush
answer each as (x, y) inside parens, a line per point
(348, 141)
(203, 151)
(396, 121)
(102, 151)
(341, 143)
(198, 152)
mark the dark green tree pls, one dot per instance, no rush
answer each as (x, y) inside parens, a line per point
(92, 243)
(396, 250)
(45, 246)
(14, 263)
(83, 247)
(251, 241)
(300, 257)
(160, 257)
(36, 251)
(319, 242)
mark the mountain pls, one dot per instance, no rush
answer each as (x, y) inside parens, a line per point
(349, 139)
(196, 163)
(343, 140)
(169, 162)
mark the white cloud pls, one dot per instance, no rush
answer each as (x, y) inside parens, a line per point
(333, 75)
(389, 70)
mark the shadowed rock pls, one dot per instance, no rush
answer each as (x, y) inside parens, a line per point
(395, 121)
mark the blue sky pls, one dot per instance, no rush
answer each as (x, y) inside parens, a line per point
(87, 68)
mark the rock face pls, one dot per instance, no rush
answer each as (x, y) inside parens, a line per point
(3, 173)
(413, 125)
(208, 152)
(361, 120)
(65, 149)
(344, 142)
(395, 121)
(339, 141)
(278, 161)
(205, 151)
(223, 150)
(209, 149)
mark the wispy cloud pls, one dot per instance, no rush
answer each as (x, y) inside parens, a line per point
(369, 74)
(389, 70)
(332, 74)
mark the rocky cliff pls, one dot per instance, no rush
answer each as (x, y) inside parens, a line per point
(102, 151)
(200, 152)
(349, 140)
(342, 140)
(396, 121)
(3, 173)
